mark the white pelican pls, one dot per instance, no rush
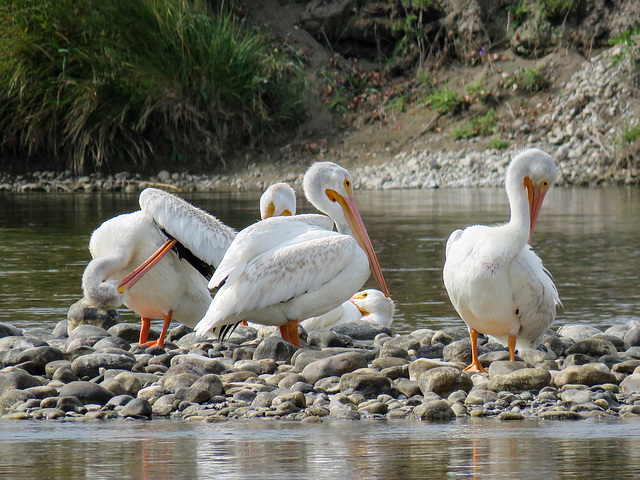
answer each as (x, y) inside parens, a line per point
(127, 249)
(496, 283)
(371, 305)
(285, 269)
(278, 200)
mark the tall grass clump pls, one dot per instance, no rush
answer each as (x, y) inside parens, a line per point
(90, 85)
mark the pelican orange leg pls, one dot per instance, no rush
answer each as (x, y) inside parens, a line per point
(146, 325)
(289, 333)
(475, 366)
(512, 347)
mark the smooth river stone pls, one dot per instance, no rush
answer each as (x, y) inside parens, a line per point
(503, 367)
(434, 410)
(631, 384)
(304, 357)
(324, 338)
(520, 380)
(590, 374)
(632, 338)
(367, 384)
(138, 408)
(17, 379)
(89, 365)
(594, 347)
(337, 365)
(7, 330)
(204, 364)
(393, 351)
(82, 313)
(274, 348)
(87, 392)
(405, 342)
(444, 380)
(361, 330)
(578, 333)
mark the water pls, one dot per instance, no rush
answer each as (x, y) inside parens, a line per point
(588, 239)
(475, 449)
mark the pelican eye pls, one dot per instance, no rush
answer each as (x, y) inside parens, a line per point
(347, 183)
(364, 295)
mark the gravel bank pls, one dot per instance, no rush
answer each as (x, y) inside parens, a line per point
(355, 371)
(581, 128)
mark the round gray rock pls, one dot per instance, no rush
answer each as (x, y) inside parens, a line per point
(87, 392)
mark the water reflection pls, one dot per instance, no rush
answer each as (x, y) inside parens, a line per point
(587, 238)
(476, 449)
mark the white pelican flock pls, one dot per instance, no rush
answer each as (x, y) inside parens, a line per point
(127, 249)
(286, 269)
(495, 281)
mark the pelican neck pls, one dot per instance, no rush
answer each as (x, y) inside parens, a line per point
(519, 204)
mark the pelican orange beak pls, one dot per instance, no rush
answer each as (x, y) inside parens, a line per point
(271, 211)
(360, 233)
(535, 194)
(359, 296)
(131, 279)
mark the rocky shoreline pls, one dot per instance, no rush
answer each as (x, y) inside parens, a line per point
(581, 128)
(355, 371)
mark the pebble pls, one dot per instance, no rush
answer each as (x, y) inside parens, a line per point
(380, 376)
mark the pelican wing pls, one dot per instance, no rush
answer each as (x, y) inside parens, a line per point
(535, 296)
(301, 264)
(261, 237)
(202, 234)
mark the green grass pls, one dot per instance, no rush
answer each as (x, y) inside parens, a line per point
(483, 126)
(498, 143)
(89, 85)
(631, 133)
(444, 100)
(529, 79)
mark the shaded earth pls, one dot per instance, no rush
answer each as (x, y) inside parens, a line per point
(365, 112)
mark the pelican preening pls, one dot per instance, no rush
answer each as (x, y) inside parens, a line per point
(286, 269)
(496, 283)
(127, 249)
(370, 305)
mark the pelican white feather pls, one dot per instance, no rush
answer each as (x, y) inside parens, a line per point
(201, 233)
(495, 281)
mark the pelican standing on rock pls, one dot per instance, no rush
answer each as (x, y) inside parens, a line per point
(127, 249)
(496, 283)
(286, 269)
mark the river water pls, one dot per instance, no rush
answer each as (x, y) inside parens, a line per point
(587, 238)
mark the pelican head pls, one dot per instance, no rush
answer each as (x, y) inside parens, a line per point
(329, 188)
(278, 200)
(532, 171)
(374, 306)
(99, 290)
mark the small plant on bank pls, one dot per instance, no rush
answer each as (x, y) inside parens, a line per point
(628, 151)
(558, 8)
(348, 86)
(482, 126)
(498, 143)
(629, 53)
(529, 80)
(444, 100)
